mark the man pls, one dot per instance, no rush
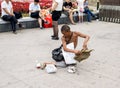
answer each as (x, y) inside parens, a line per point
(68, 10)
(8, 15)
(35, 12)
(56, 13)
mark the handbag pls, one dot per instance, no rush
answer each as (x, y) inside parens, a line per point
(84, 55)
(57, 53)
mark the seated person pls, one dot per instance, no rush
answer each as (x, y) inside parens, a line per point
(88, 12)
(35, 12)
(68, 10)
(9, 15)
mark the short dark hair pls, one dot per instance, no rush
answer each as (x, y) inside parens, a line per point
(65, 28)
(36, 0)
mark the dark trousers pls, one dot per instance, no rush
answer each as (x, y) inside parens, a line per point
(13, 19)
(35, 14)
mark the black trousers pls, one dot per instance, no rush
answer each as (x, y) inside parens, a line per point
(13, 19)
(35, 14)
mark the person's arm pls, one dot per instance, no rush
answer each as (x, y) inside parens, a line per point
(86, 39)
(68, 50)
(86, 4)
(64, 7)
(54, 6)
(5, 9)
(30, 8)
(12, 10)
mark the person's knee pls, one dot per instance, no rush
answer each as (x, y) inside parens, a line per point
(55, 24)
(14, 19)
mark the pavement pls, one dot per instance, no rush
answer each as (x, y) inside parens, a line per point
(19, 54)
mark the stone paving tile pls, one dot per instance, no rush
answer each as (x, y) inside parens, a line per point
(18, 55)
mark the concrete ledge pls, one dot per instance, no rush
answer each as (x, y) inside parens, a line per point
(29, 22)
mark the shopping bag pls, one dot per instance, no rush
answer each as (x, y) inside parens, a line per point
(48, 24)
(50, 68)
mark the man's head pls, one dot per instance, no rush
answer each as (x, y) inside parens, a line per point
(7, 0)
(65, 30)
(67, 0)
(36, 1)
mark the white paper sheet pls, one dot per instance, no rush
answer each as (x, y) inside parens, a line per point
(68, 56)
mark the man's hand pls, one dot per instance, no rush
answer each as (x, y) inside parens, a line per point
(77, 52)
(11, 14)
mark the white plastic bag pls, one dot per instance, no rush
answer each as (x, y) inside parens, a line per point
(50, 68)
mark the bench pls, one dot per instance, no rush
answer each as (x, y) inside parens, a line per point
(29, 22)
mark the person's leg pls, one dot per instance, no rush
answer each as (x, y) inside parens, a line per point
(40, 23)
(55, 16)
(71, 17)
(80, 19)
(42, 17)
(80, 15)
(55, 30)
(12, 21)
(36, 15)
(18, 15)
(91, 13)
(88, 15)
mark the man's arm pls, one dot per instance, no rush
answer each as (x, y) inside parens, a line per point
(64, 7)
(68, 50)
(85, 40)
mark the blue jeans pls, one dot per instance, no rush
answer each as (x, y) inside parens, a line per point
(89, 14)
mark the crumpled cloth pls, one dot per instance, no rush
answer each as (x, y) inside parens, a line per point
(84, 55)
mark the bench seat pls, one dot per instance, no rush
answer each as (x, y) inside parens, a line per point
(29, 22)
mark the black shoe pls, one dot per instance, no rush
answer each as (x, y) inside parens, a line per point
(14, 32)
(21, 26)
(52, 36)
(41, 27)
(95, 17)
(55, 38)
